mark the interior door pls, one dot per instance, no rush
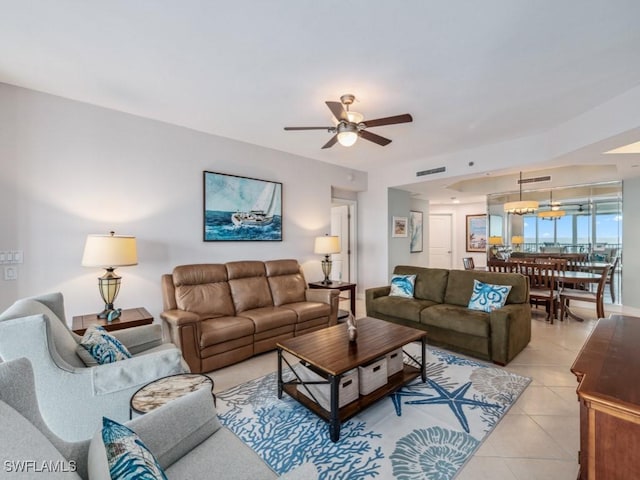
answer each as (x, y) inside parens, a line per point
(340, 226)
(440, 241)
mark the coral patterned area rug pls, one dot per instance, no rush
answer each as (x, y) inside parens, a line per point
(423, 431)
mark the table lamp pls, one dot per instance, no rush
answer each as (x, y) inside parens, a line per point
(326, 246)
(109, 252)
(516, 241)
(494, 241)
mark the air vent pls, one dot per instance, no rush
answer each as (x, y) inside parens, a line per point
(431, 171)
(535, 180)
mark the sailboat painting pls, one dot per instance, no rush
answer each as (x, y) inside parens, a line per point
(241, 208)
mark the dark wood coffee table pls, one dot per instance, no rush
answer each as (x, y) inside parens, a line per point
(330, 354)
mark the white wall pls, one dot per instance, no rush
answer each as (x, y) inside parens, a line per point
(631, 233)
(69, 169)
(459, 216)
(421, 259)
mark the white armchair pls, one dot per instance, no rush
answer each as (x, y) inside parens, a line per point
(73, 398)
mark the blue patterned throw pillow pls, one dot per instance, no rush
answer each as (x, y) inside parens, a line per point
(487, 297)
(402, 286)
(102, 346)
(127, 456)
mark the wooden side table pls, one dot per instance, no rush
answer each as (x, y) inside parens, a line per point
(130, 317)
(342, 286)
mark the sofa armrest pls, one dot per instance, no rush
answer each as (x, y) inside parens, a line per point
(373, 293)
(176, 428)
(140, 339)
(176, 318)
(370, 294)
(117, 376)
(322, 295)
(510, 331)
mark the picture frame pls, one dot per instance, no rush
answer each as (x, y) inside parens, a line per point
(239, 208)
(399, 227)
(415, 231)
(476, 233)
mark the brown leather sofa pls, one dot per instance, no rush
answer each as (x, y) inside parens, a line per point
(220, 314)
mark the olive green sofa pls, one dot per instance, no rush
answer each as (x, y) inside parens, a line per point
(439, 306)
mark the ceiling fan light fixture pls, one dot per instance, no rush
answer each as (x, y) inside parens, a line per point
(347, 134)
(355, 117)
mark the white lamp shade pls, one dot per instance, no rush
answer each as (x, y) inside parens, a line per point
(327, 245)
(108, 251)
(521, 207)
(551, 214)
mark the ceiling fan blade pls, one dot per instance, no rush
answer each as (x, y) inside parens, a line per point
(372, 137)
(332, 141)
(389, 120)
(309, 128)
(338, 111)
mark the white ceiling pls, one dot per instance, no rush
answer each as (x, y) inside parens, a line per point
(471, 73)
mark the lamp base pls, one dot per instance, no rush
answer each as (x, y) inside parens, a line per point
(326, 269)
(109, 313)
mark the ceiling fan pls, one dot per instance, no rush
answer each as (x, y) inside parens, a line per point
(352, 125)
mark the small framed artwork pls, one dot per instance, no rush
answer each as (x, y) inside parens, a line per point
(477, 233)
(241, 208)
(399, 227)
(415, 231)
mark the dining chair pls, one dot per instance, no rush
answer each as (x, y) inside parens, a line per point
(542, 285)
(468, 263)
(568, 294)
(502, 266)
(610, 279)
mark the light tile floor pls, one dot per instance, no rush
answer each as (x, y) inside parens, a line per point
(539, 436)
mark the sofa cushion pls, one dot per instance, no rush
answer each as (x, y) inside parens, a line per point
(487, 297)
(460, 286)
(430, 284)
(203, 289)
(102, 347)
(222, 455)
(402, 286)
(407, 308)
(309, 310)
(250, 293)
(456, 318)
(286, 282)
(223, 329)
(269, 318)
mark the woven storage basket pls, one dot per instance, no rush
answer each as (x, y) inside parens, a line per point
(372, 376)
(347, 393)
(394, 362)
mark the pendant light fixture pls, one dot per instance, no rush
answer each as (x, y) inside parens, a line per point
(554, 212)
(521, 207)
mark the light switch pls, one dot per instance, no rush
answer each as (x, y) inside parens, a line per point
(8, 257)
(3, 257)
(18, 256)
(10, 273)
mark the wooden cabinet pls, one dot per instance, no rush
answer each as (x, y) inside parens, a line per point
(607, 369)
